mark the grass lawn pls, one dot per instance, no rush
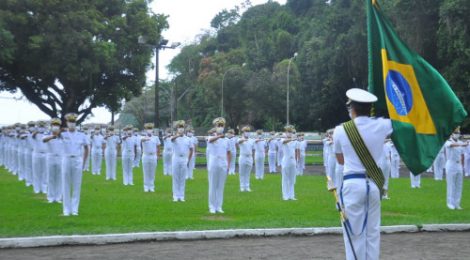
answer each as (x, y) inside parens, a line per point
(110, 207)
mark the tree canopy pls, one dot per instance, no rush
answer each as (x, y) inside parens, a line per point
(75, 55)
(330, 38)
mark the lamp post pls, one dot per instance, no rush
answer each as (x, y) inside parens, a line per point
(222, 89)
(162, 44)
(288, 87)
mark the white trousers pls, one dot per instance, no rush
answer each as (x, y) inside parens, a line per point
(395, 167)
(127, 175)
(136, 162)
(288, 179)
(338, 179)
(86, 167)
(54, 184)
(439, 166)
(20, 160)
(28, 161)
(39, 173)
(259, 166)
(386, 171)
(71, 183)
(279, 157)
(96, 159)
(245, 164)
(192, 165)
(301, 165)
(180, 168)
(167, 162)
(366, 241)
(272, 162)
(217, 176)
(149, 166)
(331, 167)
(415, 180)
(454, 188)
(231, 170)
(110, 159)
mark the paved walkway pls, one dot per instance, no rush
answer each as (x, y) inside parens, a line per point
(401, 246)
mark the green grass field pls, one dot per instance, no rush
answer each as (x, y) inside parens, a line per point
(110, 207)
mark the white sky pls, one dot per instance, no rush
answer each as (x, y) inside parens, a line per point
(187, 19)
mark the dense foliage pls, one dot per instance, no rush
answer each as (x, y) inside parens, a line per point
(330, 38)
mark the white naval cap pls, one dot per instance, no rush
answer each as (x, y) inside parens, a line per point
(360, 96)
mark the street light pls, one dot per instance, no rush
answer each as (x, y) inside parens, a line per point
(162, 44)
(222, 89)
(288, 88)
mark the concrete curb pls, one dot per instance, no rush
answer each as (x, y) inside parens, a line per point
(24, 242)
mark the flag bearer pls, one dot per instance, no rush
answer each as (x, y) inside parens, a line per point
(97, 146)
(73, 162)
(54, 162)
(455, 150)
(129, 147)
(182, 153)
(245, 162)
(219, 161)
(110, 153)
(359, 194)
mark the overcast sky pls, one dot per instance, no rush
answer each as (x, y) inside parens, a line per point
(187, 19)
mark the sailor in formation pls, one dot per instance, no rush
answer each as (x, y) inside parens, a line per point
(75, 147)
(272, 152)
(112, 141)
(128, 149)
(219, 162)
(232, 139)
(97, 146)
(182, 153)
(54, 162)
(40, 159)
(289, 163)
(246, 159)
(192, 162)
(455, 152)
(150, 150)
(260, 154)
(302, 144)
(167, 152)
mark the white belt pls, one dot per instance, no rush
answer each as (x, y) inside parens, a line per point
(247, 155)
(149, 153)
(72, 155)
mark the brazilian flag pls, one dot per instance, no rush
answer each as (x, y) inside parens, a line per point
(422, 106)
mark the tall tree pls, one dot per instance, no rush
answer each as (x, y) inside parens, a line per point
(75, 55)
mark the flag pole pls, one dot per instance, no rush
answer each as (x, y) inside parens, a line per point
(344, 219)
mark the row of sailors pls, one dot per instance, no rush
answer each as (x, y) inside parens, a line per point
(453, 161)
(53, 161)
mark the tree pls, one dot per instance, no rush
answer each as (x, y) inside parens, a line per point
(75, 55)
